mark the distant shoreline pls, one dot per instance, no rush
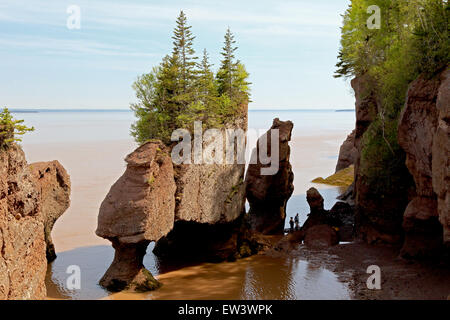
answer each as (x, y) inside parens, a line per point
(30, 110)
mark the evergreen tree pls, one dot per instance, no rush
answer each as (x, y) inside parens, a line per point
(228, 65)
(205, 83)
(179, 91)
(183, 49)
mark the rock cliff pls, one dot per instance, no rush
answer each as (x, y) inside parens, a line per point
(441, 155)
(30, 203)
(418, 213)
(381, 179)
(347, 152)
(417, 129)
(268, 194)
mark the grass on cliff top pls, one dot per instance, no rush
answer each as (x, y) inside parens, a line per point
(343, 178)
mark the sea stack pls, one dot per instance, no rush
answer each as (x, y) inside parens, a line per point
(268, 194)
(139, 208)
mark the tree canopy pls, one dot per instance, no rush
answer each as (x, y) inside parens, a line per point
(183, 89)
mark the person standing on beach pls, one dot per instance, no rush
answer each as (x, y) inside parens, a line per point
(291, 222)
(297, 221)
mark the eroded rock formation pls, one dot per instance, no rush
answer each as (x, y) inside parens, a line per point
(192, 211)
(210, 207)
(441, 155)
(347, 153)
(54, 186)
(341, 216)
(321, 236)
(29, 206)
(139, 208)
(380, 191)
(416, 131)
(268, 194)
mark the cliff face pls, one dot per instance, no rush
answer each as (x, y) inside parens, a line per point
(347, 152)
(210, 204)
(441, 155)
(381, 180)
(420, 213)
(268, 194)
(25, 222)
(417, 130)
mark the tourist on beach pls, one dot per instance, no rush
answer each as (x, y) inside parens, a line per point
(291, 222)
(297, 221)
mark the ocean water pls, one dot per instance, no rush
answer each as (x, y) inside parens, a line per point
(107, 125)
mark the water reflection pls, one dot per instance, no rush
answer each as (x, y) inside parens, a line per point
(258, 277)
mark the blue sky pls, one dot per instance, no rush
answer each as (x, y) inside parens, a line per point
(289, 48)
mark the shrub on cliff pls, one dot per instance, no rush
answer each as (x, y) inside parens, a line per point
(180, 90)
(11, 129)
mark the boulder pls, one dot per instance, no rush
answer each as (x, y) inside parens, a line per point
(268, 194)
(139, 208)
(341, 216)
(321, 236)
(54, 185)
(347, 153)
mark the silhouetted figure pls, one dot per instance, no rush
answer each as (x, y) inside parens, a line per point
(297, 221)
(291, 222)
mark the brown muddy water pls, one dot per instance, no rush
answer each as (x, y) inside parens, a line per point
(258, 277)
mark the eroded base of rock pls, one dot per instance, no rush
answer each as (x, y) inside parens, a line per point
(127, 270)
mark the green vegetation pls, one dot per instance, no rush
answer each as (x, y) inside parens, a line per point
(181, 90)
(413, 40)
(11, 129)
(342, 178)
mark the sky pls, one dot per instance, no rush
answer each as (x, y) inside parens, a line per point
(288, 47)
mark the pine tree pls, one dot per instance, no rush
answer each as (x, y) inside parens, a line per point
(205, 83)
(228, 65)
(183, 49)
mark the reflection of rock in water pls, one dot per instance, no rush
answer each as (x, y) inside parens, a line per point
(270, 280)
(92, 262)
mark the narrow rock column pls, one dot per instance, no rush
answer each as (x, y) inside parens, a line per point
(127, 269)
(268, 194)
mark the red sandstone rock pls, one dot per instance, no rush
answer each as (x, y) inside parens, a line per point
(321, 236)
(347, 152)
(139, 208)
(24, 214)
(54, 186)
(268, 194)
(441, 155)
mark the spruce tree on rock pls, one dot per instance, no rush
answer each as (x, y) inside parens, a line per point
(228, 66)
(183, 49)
